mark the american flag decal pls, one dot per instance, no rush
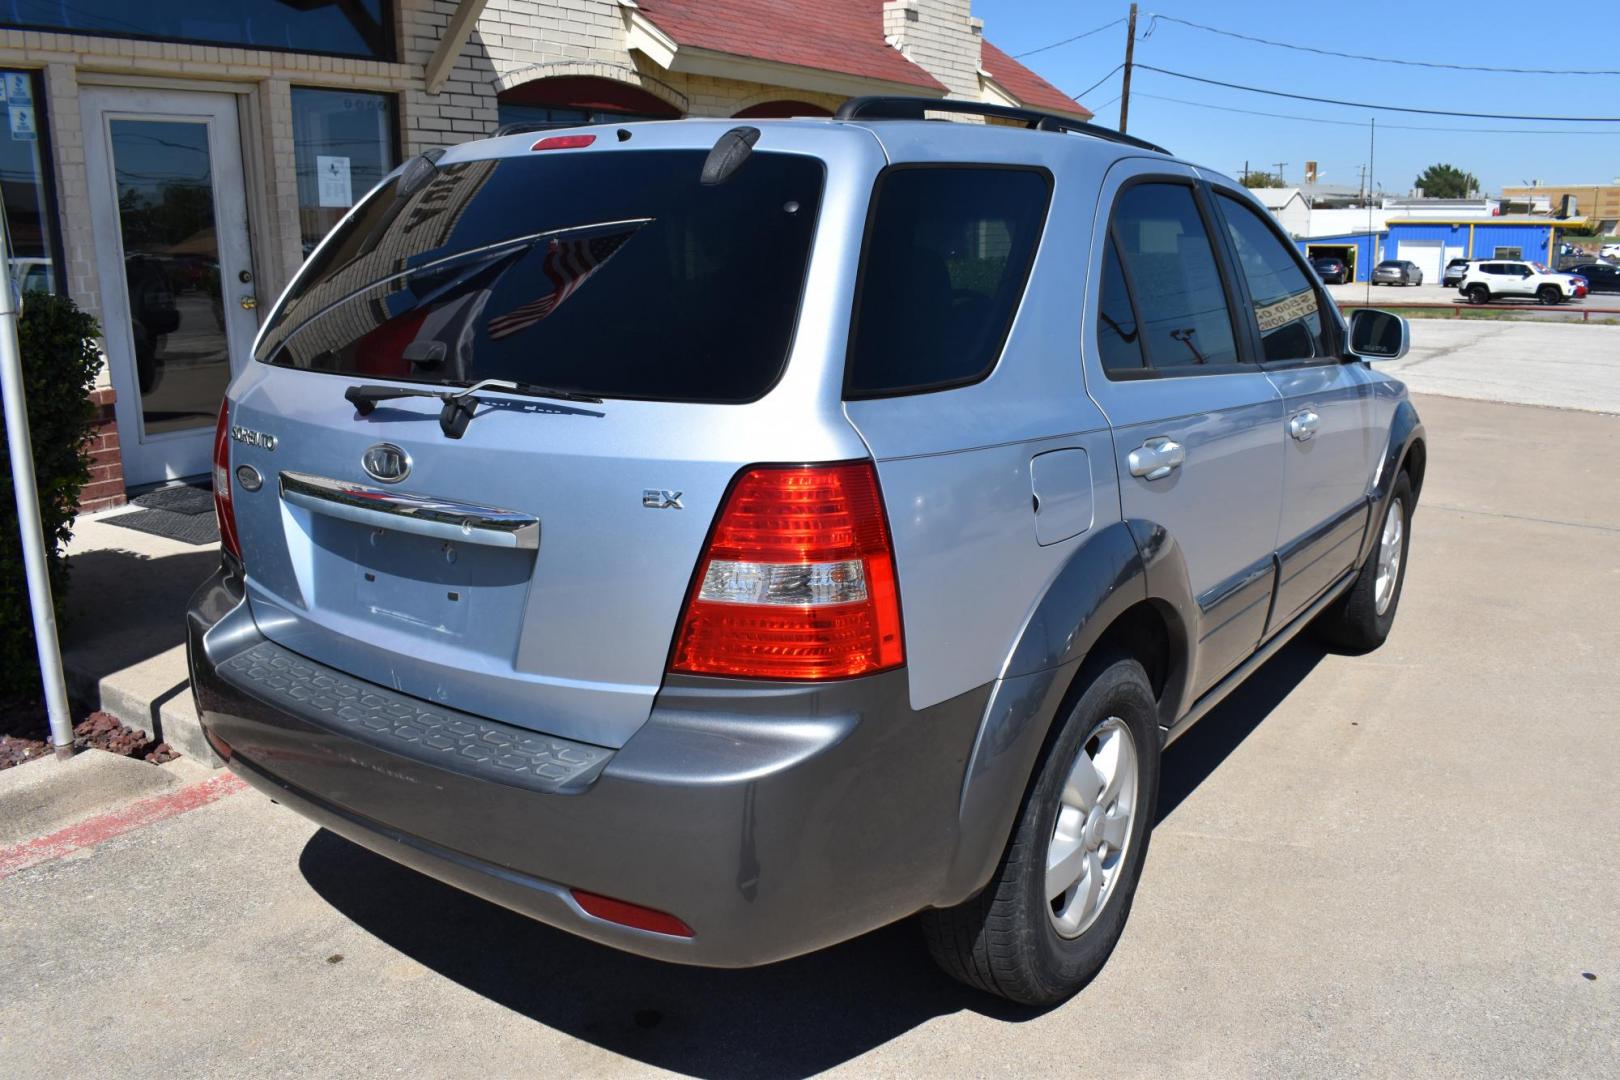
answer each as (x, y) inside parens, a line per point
(569, 263)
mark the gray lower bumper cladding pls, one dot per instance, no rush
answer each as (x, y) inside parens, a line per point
(771, 819)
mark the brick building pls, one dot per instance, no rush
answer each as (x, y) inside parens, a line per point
(170, 164)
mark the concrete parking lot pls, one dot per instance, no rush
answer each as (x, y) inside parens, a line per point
(1396, 864)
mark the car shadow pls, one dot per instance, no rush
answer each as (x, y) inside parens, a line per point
(1197, 754)
(125, 607)
(791, 1019)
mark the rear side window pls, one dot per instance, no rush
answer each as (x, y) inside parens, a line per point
(1284, 300)
(1166, 254)
(947, 255)
(614, 273)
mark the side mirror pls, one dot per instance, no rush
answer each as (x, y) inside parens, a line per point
(1378, 335)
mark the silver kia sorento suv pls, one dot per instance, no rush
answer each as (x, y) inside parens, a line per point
(720, 541)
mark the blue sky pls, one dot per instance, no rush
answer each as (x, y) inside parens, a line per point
(1492, 33)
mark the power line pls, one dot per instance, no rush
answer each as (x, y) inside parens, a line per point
(1385, 108)
(1391, 127)
(1065, 41)
(1380, 59)
(1098, 83)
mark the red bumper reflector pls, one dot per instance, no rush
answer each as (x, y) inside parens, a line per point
(563, 142)
(628, 914)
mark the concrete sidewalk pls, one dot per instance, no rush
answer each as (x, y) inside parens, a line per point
(123, 631)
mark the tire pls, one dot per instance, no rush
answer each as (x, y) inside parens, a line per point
(1356, 622)
(1479, 294)
(1006, 940)
(1549, 295)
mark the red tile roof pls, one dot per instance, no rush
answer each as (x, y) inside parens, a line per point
(833, 35)
(1025, 85)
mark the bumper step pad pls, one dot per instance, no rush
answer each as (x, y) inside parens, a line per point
(410, 727)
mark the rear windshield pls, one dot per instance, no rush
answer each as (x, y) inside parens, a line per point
(609, 273)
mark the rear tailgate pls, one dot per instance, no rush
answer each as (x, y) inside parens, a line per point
(566, 628)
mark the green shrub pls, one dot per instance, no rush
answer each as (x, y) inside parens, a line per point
(59, 371)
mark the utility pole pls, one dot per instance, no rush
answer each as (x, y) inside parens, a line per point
(26, 489)
(1361, 184)
(1125, 91)
(1281, 165)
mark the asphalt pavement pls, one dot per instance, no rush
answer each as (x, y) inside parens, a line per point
(1398, 864)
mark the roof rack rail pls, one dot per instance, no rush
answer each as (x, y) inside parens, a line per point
(885, 107)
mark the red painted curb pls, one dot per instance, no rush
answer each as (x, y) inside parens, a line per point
(92, 831)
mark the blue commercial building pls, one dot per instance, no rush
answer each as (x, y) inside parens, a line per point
(1433, 242)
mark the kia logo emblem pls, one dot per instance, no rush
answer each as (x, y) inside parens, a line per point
(386, 462)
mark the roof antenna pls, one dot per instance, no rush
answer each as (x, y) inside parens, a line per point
(730, 151)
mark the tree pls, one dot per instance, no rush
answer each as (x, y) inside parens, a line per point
(1257, 179)
(1447, 182)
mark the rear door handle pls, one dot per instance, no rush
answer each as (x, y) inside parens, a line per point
(1157, 458)
(1302, 426)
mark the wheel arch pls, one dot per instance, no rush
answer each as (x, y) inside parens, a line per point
(1405, 450)
(1114, 593)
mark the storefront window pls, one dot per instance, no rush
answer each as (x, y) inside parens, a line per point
(30, 219)
(350, 28)
(343, 144)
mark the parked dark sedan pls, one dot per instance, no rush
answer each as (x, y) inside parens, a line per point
(1454, 272)
(1397, 272)
(1332, 271)
(1600, 277)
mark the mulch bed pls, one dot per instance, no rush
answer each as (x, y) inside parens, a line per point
(24, 735)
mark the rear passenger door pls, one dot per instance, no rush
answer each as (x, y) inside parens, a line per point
(1194, 417)
(1327, 422)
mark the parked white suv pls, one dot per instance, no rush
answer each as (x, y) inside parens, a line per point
(1487, 280)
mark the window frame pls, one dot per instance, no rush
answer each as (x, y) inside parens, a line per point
(387, 18)
(849, 394)
(1332, 340)
(1247, 346)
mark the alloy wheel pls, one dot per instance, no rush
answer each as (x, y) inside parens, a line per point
(1389, 557)
(1086, 854)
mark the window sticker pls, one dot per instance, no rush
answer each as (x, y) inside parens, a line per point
(335, 188)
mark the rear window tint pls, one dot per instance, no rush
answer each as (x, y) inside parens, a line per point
(948, 252)
(1176, 283)
(612, 273)
(1117, 337)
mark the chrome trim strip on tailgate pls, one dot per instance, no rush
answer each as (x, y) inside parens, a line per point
(404, 512)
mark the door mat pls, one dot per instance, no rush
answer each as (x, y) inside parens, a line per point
(199, 529)
(179, 498)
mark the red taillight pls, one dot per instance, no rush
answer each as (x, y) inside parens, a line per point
(563, 142)
(224, 508)
(627, 914)
(798, 581)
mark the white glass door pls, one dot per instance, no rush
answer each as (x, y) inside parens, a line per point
(178, 302)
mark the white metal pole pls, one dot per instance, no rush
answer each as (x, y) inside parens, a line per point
(33, 535)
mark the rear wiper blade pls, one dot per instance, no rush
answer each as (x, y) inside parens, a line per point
(460, 403)
(528, 390)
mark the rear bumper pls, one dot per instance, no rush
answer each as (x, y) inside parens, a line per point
(773, 819)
